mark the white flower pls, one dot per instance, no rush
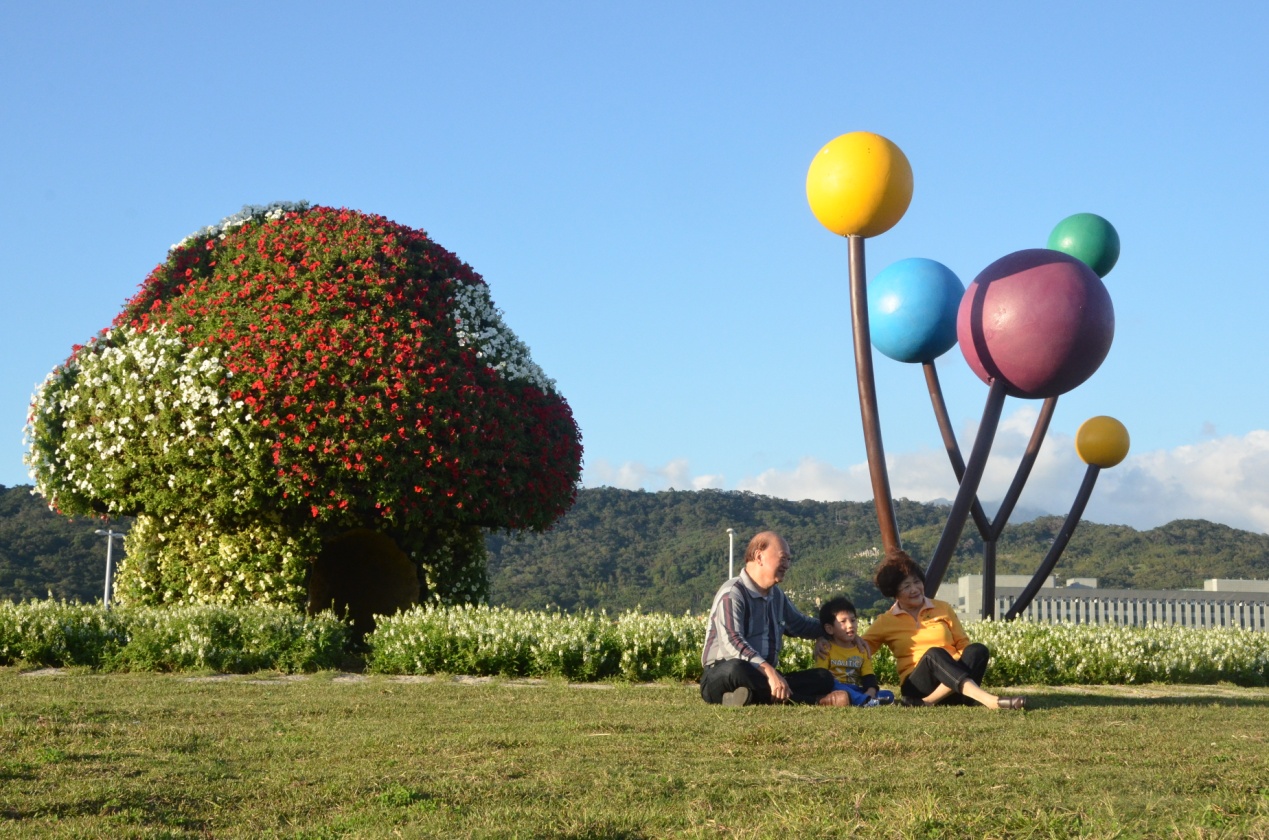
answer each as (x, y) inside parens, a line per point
(479, 324)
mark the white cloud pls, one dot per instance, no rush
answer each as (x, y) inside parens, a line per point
(675, 475)
(1225, 480)
(1222, 479)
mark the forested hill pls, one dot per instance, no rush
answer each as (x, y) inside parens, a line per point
(668, 551)
(618, 549)
(42, 553)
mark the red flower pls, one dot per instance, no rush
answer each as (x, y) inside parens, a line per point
(352, 317)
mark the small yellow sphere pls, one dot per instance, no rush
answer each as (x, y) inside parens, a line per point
(860, 184)
(1102, 442)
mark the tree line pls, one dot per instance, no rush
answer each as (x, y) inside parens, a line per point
(668, 551)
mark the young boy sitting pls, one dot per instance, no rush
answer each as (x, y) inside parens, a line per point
(851, 666)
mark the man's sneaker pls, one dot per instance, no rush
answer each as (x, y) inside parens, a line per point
(739, 697)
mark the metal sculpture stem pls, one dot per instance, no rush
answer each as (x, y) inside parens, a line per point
(867, 387)
(1059, 544)
(989, 531)
(1024, 467)
(968, 491)
(989, 579)
(950, 444)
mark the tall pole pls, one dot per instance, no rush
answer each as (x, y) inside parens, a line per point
(867, 387)
(110, 535)
(731, 553)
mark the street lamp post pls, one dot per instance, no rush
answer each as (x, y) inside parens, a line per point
(731, 553)
(110, 534)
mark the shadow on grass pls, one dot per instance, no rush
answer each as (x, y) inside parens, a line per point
(1172, 699)
(602, 832)
(135, 808)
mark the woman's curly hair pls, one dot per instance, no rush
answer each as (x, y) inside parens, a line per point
(894, 570)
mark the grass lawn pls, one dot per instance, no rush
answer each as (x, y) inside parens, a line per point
(328, 756)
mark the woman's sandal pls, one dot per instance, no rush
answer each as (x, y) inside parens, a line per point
(1014, 703)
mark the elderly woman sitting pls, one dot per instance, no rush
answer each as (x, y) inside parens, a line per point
(937, 663)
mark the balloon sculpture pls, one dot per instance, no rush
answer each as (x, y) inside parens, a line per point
(1034, 324)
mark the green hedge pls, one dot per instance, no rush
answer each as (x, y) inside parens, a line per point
(581, 646)
(185, 638)
(633, 646)
(497, 640)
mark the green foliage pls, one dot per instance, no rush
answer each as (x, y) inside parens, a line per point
(138, 422)
(452, 566)
(236, 640)
(43, 554)
(260, 563)
(659, 646)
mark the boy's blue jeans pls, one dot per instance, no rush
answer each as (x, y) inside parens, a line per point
(858, 696)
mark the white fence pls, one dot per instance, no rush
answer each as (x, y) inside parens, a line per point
(1188, 609)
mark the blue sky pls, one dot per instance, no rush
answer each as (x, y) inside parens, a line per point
(630, 178)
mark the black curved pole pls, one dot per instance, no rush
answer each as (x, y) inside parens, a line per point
(968, 491)
(1059, 544)
(989, 531)
(1024, 467)
(949, 443)
(867, 387)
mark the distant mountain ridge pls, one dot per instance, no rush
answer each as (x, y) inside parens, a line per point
(1019, 515)
(667, 551)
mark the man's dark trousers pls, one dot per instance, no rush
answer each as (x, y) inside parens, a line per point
(730, 674)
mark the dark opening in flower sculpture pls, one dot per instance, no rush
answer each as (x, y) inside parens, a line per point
(306, 405)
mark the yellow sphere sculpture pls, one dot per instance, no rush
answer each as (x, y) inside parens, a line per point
(1102, 442)
(860, 184)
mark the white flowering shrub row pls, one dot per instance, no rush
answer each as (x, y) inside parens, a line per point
(635, 646)
(581, 646)
(200, 637)
(1083, 654)
(499, 641)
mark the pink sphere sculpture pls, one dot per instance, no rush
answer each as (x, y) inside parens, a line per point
(1039, 320)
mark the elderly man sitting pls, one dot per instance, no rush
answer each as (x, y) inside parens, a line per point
(747, 625)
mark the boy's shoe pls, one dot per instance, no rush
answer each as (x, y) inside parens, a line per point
(872, 703)
(884, 701)
(739, 697)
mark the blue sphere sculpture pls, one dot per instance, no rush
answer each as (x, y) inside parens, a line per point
(912, 308)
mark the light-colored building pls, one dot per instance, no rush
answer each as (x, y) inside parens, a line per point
(1225, 585)
(1221, 603)
(969, 591)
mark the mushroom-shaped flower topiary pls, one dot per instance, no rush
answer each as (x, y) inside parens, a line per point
(306, 403)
